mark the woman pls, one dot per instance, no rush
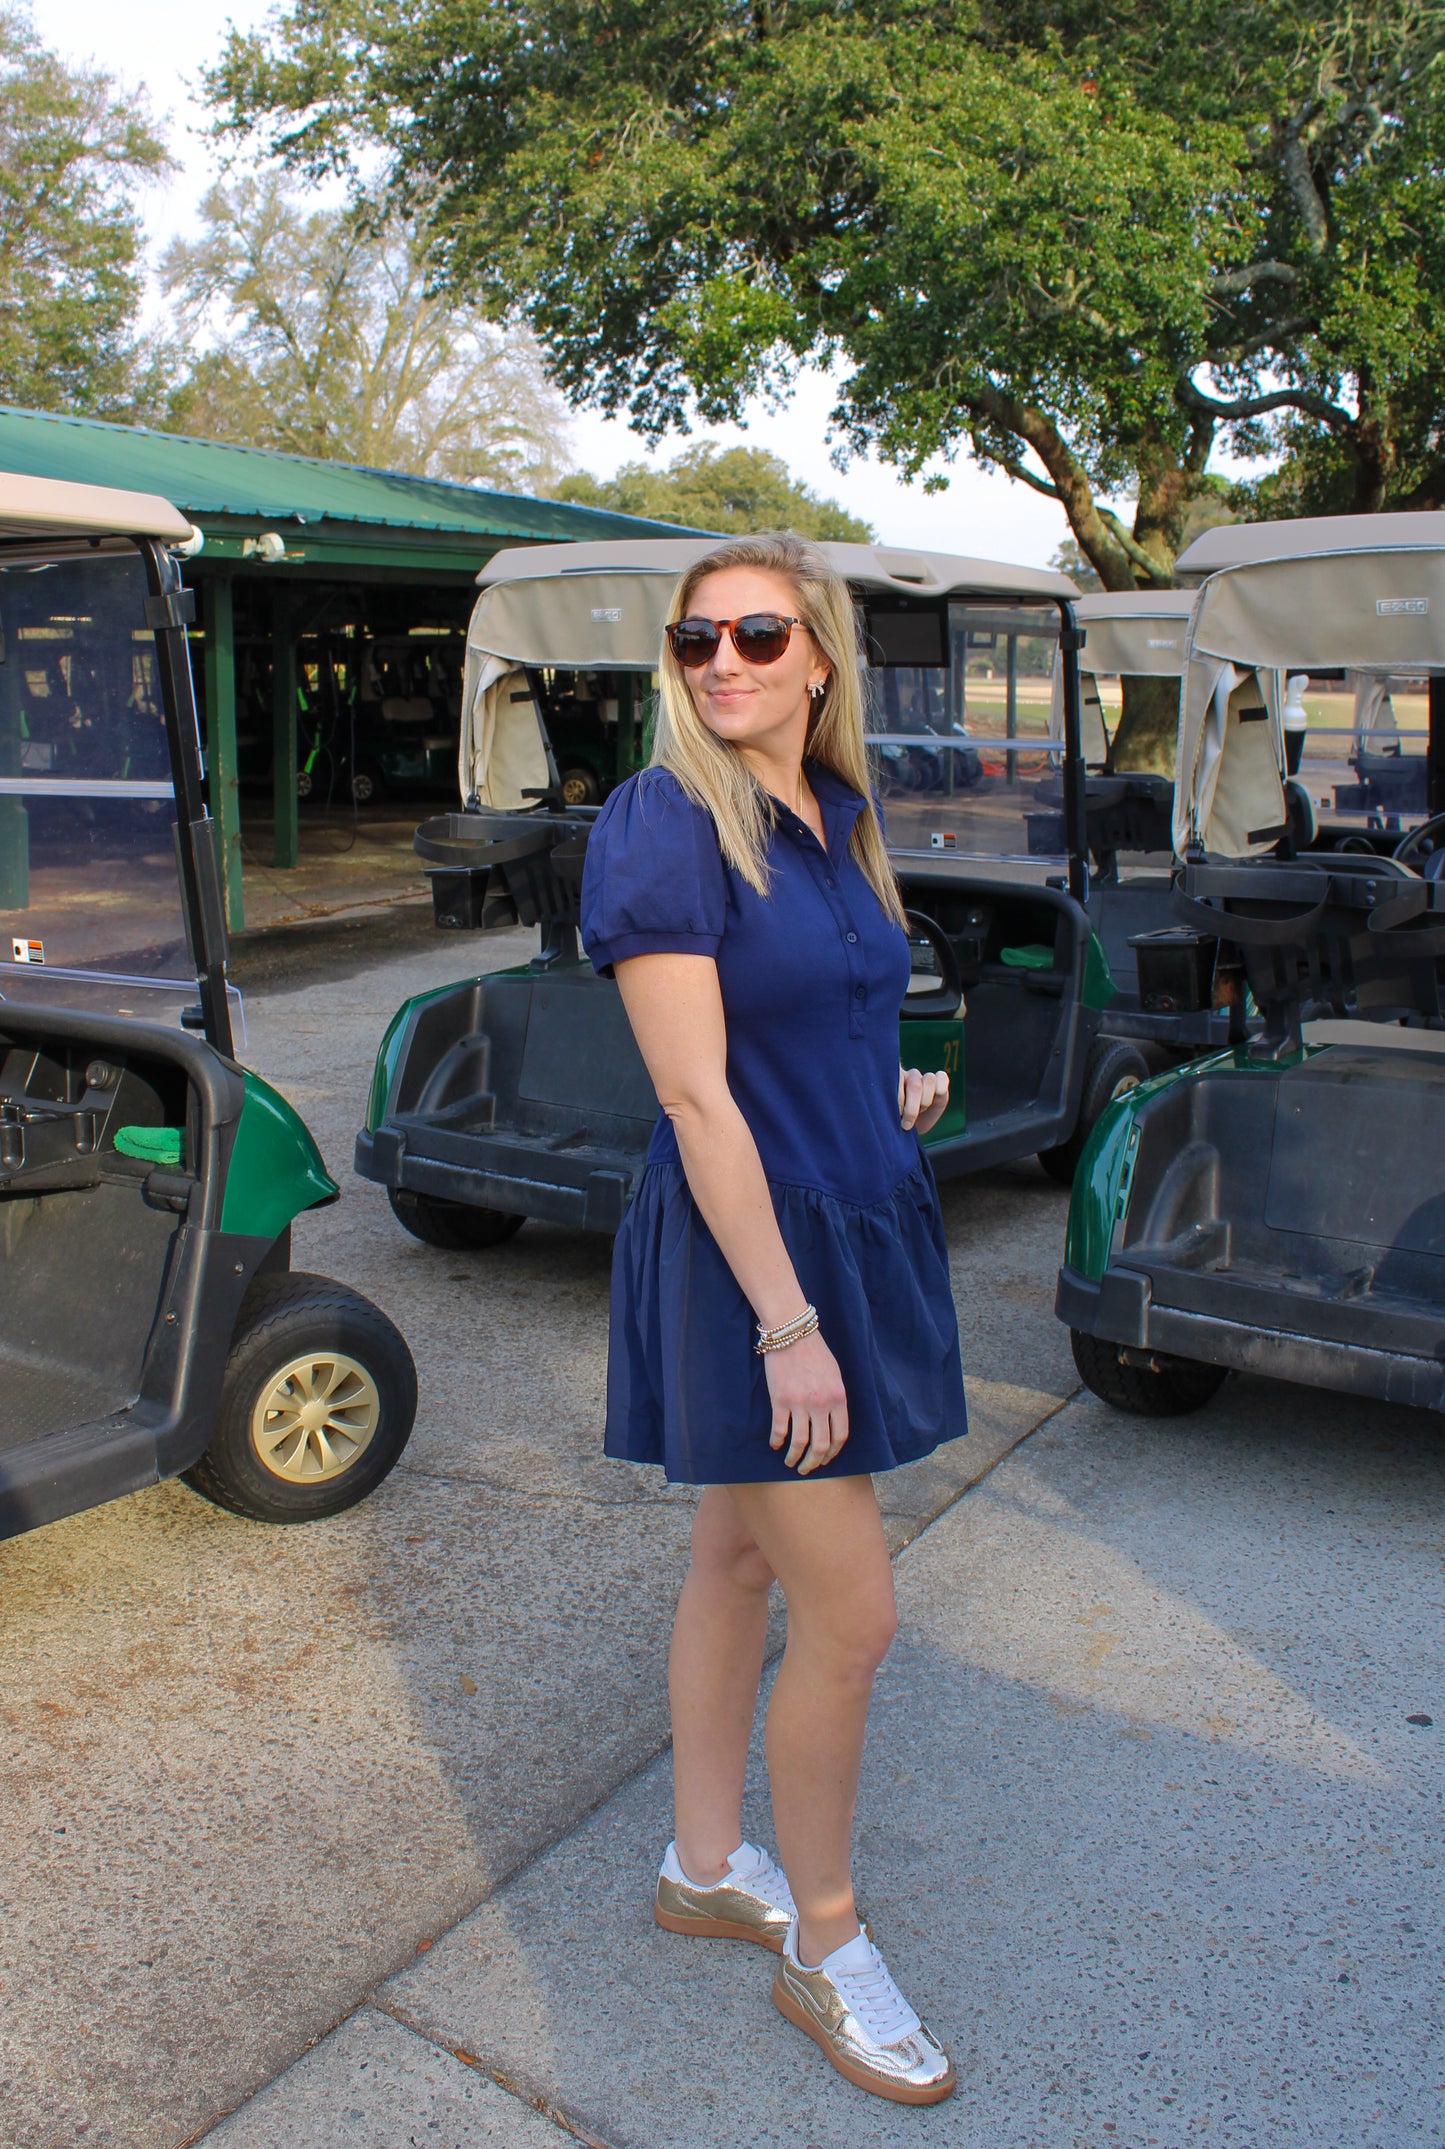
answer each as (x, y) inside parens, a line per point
(782, 1324)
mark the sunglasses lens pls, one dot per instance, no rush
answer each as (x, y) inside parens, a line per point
(761, 638)
(694, 642)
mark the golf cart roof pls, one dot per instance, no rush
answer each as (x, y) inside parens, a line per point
(1310, 537)
(1138, 633)
(1361, 593)
(602, 606)
(45, 507)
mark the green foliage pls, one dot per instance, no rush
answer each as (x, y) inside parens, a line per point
(1069, 560)
(322, 338)
(715, 488)
(1085, 239)
(71, 155)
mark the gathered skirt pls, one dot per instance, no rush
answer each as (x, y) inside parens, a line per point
(685, 1387)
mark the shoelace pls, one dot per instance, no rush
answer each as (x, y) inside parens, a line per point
(767, 1880)
(876, 2001)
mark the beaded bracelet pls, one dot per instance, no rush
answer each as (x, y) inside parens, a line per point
(778, 1339)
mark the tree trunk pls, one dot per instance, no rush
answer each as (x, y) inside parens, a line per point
(1148, 728)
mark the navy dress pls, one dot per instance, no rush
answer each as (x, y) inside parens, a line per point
(811, 978)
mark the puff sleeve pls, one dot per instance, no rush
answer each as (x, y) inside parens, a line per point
(654, 881)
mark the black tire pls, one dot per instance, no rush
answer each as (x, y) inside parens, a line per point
(283, 1319)
(1114, 1068)
(1164, 1388)
(453, 1225)
(367, 785)
(580, 785)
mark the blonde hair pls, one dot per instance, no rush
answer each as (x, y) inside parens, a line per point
(715, 775)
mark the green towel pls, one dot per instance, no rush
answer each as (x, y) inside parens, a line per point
(1033, 957)
(155, 1145)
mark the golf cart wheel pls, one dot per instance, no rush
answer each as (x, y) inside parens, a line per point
(453, 1225)
(317, 1403)
(580, 786)
(366, 785)
(1114, 1069)
(1149, 1382)
(305, 783)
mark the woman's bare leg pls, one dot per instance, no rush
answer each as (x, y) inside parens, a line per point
(713, 1673)
(823, 1538)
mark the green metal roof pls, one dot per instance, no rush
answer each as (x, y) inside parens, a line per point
(207, 478)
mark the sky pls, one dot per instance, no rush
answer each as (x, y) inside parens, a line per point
(158, 48)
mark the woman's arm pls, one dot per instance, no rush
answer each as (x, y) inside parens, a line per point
(675, 1007)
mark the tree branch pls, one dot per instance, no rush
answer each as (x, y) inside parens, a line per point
(1159, 578)
(1025, 476)
(1293, 324)
(996, 413)
(1301, 183)
(1233, 281)
(1259, 406)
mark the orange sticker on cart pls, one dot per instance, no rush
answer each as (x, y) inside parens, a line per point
(27, 951)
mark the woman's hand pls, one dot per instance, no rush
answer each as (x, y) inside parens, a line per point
(810, 1409)
(922, 1098)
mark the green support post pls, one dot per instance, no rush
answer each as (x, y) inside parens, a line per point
(14, 812)
(286, 839)
(218, 619)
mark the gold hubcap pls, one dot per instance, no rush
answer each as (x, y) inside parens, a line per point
(316, 1418)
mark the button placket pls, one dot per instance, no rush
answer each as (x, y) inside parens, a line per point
(820, 866)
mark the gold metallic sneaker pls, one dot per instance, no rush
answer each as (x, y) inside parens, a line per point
(752, 1903)
(851, 2007)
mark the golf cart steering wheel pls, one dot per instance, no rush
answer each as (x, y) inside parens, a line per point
(1424, 848)
(926, 937)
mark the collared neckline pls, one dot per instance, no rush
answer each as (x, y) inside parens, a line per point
(839, 804)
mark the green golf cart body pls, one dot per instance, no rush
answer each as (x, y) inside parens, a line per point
(150, 1324)
(1279, 1207)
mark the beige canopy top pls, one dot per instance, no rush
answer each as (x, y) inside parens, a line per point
(1135, 632)
(45, 507)
(1365, 593)
(601, 606)
(1246, 544)
(1127, 633)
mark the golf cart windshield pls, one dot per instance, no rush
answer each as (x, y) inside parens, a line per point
(958, 726)
(90, 900)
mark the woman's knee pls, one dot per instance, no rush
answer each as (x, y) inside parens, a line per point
(724, 1553)
(852, 1634)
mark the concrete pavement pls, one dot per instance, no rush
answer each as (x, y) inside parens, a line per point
(1146, 1829)
(247, 1771)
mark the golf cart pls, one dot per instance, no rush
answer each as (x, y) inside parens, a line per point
(522, 1094)
(1359, 783)
(1277, 1208)
(150, 1322)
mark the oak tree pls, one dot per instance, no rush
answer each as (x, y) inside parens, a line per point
(1086, 240)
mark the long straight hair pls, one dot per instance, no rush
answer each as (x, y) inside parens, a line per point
(714, 773)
